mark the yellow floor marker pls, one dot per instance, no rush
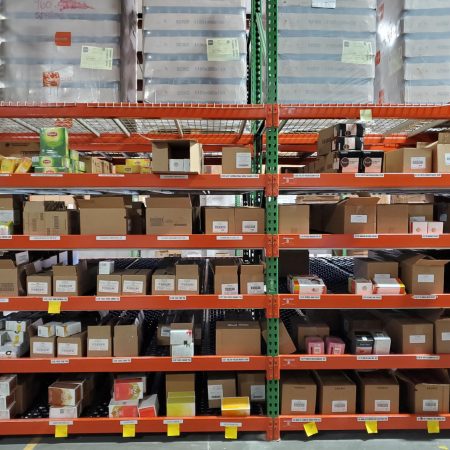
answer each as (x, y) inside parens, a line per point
(173, 429)
(310, 429)
(54, 307)
(372, 427)
(129, 430)
(61, 431)
(231, 432)
(433, 426)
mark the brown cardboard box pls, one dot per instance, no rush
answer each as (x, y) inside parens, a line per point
(286, 344)
(369, 268)
(136, 282)
(72, 346)
(187, 279)
(13, 279)
(408, 160)
(251, 279)
(426, 392)
(236, 160)
(93, 165)
(298, 394)
(442, 335)
(238, 338)
(420, 212)
(252, 385)
(392, 219)
(220, 385)
(293, 219)
(379, 393)
(423, 275)
(72, 280)
(127, 340)
(164, 281)
(441, 158)
(293, 258)
(410, 335)
(165, 151)
(99, 341)
(337, 393)
(42, 347)
(325, 141)
(109, 284)
(180, 382)
(351, 216)
(65, 393)
(39, 284)
(306, 329)
(219, 220)
(249, 220)
(105, 216)
(226, 279)
(169, 215)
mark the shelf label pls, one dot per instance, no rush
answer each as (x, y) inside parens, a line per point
(313, 359)
(307, 175)
(7, 174)
(4, 300)
(431, 236)
(111, 175)
(373, 419)
(6, 237)
(309, 297)
(177, 298)
(310, 236)
(55, 299)
(230, 297)
(427, 419)
(244, 176)
(121, 360)
(365, 236)
(235, 360)
(170, 421)
(174, 177)
(59, 361)
(229, 238)
(54, 423)
(231, 424)
(367, 358)
(424, 297)
(51, 175)
(111, 238)
(128, 422)
(428, 357)
(372, 297)
(427, 175)
(172, 238)
(107, 299)
(369, 175)
(306, 420)
(181, 360)
(45, 238)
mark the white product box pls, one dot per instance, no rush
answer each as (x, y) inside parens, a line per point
(65, 412)
(48, 329)
(427, 70)
(68, 329)
(381, 343)
(180, 351)
(416, 48)
(8, 384)
(436, 23)
(105, 267)
(8, 413)
(181, 337)
(360, 4)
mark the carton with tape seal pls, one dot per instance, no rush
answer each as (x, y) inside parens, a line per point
(219, 220)
(409, 160)
(72, 280)
(136, 281)
(371, 269)
(252, 385)
(109, 284)
(249, 220)
(72, 346)
(180, 382)
(164, 281)
(187, 278)
(226, 277)
(298, 394)
(40, 284)
(99, 340)
(392, 219)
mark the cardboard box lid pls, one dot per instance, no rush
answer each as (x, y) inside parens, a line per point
(334, 378)
(7, 202)
(102, 203)
(357, 201)
(240, 325)
(377, 378)
(168, 202)
(62, 270)
(424, 260)
(7, 264)
(252, 269)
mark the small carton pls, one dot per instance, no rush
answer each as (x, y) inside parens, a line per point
(68, 329)
(337, 393)
(109, 284)
(119, 409)
(128, 389)
(427, 392)
(249, 220)
(420, 212)
(220, 385)
(392, 219)
(410, 335)
(99, 341)
(187, 278)
(181, 404)
(164, 281)
(105, 267)
(182, 350)
(65, 412)
(360, 286)
(127, 339)
(165, 151)
(381, 343)
(252, 279)
(136, 282)
(298, 394)
(315, 345)
(361, 343)
(54, 141)
(72, 280)
(379, 392)
(8, 413)
(219, 220)
(441, 334)
(238, 338)
(235, 406)
(418, 227)
(42, 347)
(8, 384)
(388, 286)
(226, 278)
(311, 329)
(435, 228)
(408, 160)
(149, 406)
(252, 385)
(63, 393)
(7, 400)
(13, 278)
(39, 284)
(293, 219)
(306, 285)
(441, 158)
(236, 160)
(334, 345)
(181, 333)
(372, 269)
(180, 382)
(74, 346)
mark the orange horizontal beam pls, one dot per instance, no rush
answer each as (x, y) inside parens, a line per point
(77, 242)
(135, 364)
(205, 424)
(363, 362)
(356, 422)
(143, 302)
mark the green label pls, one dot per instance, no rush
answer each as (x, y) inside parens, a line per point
(222, 49)
(97, 58)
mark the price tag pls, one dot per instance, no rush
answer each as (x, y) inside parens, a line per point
(172, 238)
(121, 360)
(181, 360)
(373, 419)
(424, 297)
(369, 175)
(107, 299)
(235, 360)
(313, 359)
(177, 297)
(310, 236)
(367, 357)
(427, 175)
(309, 297)
(111, 238)
(59, 361)
(365, 236)
(426, 419)
(4, 300)
(231, 424)
(55, 299)
(244, 176)
(45, 238)
(431, 236)
(306, 419)
(307, 175)
(372, 297)
(229, 238)
(6, 237)
(230, 297)
(51, 175)
(428, 357)
(111, 175)
(173, 177)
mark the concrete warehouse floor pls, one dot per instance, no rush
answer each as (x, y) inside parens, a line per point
(328, 440)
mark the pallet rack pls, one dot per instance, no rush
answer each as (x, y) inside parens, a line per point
(272, 128)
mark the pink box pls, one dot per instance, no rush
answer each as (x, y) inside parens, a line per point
(315, 345)
(334, 345)
(435, 227)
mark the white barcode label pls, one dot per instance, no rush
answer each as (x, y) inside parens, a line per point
(66, 286)
(382, 405)
(243, 160)
(358, 218)
(220, 226)
(339, 406)
(299, 405)
(230, 289)
(177, 298)
(425, 297)
(365, 236)
(309, 297)
(172, 238)
(55, 299)
(306, 420)
(310, 236)
(258, 392)
(107, 299)
(98, 345)
(235, 360)
(133, 287)
(54, 423)
(428, 175)
(255, 287)
(372, 297)
(249, 226)
(367, 357)
(174, 177)
(187, 284)
(181, 360)
(369, 175)
(111, 238)
(426, 419)
(45, 238)
(313, 359)
(37, 288)
(121, 360)
(425, 278)
(162, 284)
(105, 286)
(231, 424)
(128, 422)
(428, 357)
(307, 175)
(215, 392)
(66, 349)
(418, 163)
(237, 176)
(230, 297)
(445, 336)
(59, 361)
(229, 238)
(169, 421)
(417, 339)
(430, 405)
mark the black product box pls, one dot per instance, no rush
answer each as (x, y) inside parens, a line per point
(349, 162)
(372, 162)
(348, 143)
(361, 343)
(349, 129)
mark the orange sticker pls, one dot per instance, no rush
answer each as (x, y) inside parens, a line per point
(63, 39)
(51, 79)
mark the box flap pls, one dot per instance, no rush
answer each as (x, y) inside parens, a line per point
(102, 202)
(168, 202)
(355, 201)
(7, 264)
(424, 260)
(60, 270)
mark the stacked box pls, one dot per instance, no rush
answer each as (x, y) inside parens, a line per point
(68, 51)
(195, 52)
(326, 55)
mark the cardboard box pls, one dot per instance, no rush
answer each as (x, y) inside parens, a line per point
(180, 382)
(26, 392)
(105, 267)
(381, 343)
(238, 338)
(39, 284)
(72, 280)
(73, 346)
(360, 286)
(164, 151)
(334, 346)
(326, 140)
(392, 219)
(361, 343)
(65, 412)
(311, 329)
(293, 219)
(180, 404)
(11, 210)
(252, 385)
(285, 342)
(63, 393)
(164, 281)
(379, 393)
(372, 162)
(226, 279)
(219, 220)
(13, 278)
(181, 333)
(251, 279)
(42, 347)
(372, 269)
(123, 408)
(306, 285)
(441, 158)
(236, 160)
(315, 345)
(169, 215)
(337, 393)
(187, 278)
(220, 385)
(423, 275)
(99, 341)
(149, 406)
(349, 161)
(163, 334)
(136, 282)
(109, 284)
(67, 329)
(235, 406)
(127, 340)
(54, 141)
(6, 401)
(48, 329)
(298, 394)
(410, 335)
(420, 212)
(409, 160)
(249, 220)
(426, 392)
(8, 384)
(182, 350)
(388, 286)
(132, 388)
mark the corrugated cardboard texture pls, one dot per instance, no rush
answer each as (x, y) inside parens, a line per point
(298, 394)
(293, 219)
(238, 338)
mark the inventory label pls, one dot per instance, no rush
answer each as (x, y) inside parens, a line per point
(170, 421)
(313, 359)
(310, 236)
(231, 424)
(107, 299)
(427, 419)
(365, 236)
(372, 297)
(111, 238)
(306, 419)
(243, 176)
(55, 299)
(427, 175)
(59, 361)
(172, 238)
(369, 175)
(235, 360)
(174, 177)
(373, 419)
(309, 297)
(428, 357)
(230, 297)
(45, 238)
(177, 298)
(424, 297)
(306, 175)
(121, 360)
(229, 238)
(367, 357)
(181, 360)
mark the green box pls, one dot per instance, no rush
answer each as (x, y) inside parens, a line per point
(74, 155)
(54, 142)
(81, 166)
(50, 161)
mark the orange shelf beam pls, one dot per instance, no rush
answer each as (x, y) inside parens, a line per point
(363, 362)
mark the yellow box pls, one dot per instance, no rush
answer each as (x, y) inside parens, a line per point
(24, 165)
(9, 165)
(181, 404)
(146, 170)
(236, 406)
(139, 162)
(133, 169)
(120, 168)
